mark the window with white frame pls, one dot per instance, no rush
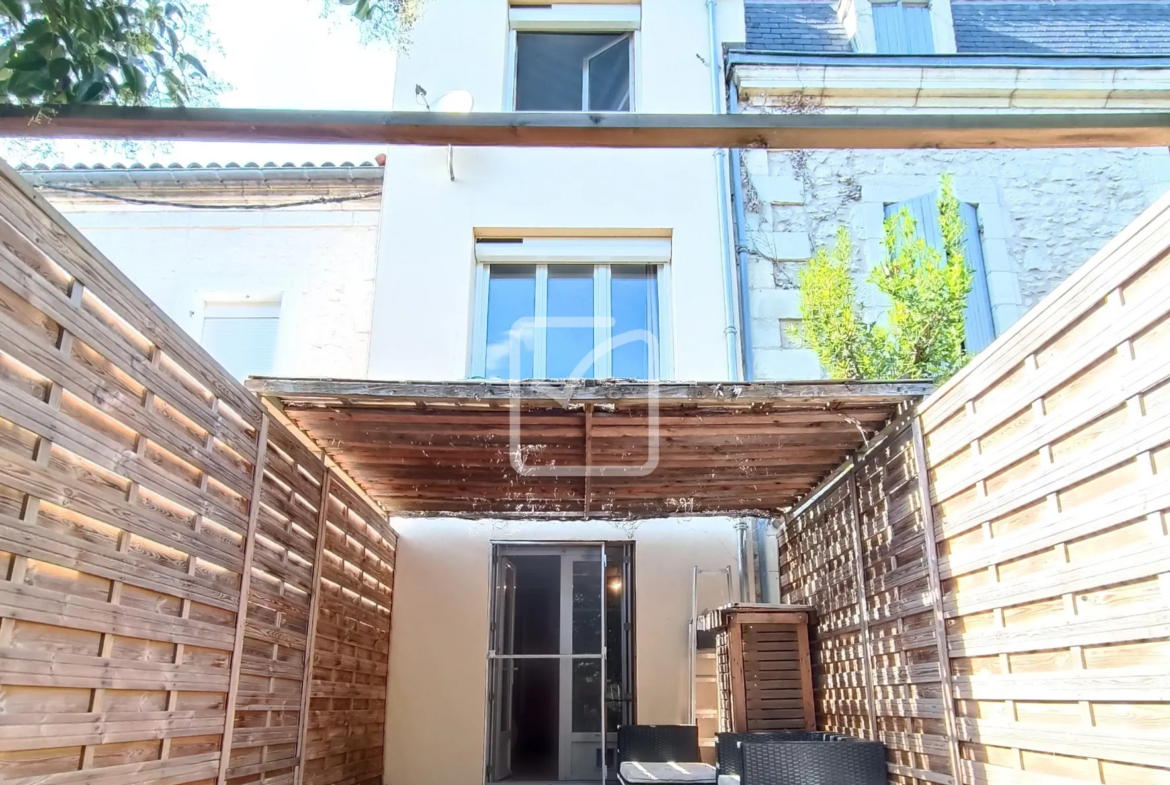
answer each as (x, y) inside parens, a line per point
(559, 309)
(573, 58)
(241, 335)
(980, 327)
(902, 27)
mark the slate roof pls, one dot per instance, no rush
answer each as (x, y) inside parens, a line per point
(1063, 27)
(794, 27)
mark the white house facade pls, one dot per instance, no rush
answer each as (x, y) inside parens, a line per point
(493, 263)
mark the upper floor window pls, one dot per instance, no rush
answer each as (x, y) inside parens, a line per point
(569, 57)
(241, 336)
(980, 326)
(566, 318)
(902, 27)
(572, 72)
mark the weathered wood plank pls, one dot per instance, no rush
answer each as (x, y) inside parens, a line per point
(782, 131)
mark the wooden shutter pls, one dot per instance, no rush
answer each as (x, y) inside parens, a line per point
(902, 29)
(980, 325)
(919, 38)
(924, 210)
(888, 29)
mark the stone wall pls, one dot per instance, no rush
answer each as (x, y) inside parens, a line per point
(1042, 214)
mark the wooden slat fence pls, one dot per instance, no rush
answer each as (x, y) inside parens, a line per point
(1041, 562)
(1050, 474)
(160, 553)
(875, 651)
(352, 643)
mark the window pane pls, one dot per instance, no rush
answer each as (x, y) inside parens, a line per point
(608, 74)
(570, 296)
(550, 69)
(511, 297)
(245, 346)
(587, 607)
(634, 306)
(586, 696)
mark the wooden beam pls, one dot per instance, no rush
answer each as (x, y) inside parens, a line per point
(579, 391)
(245, 585)
(618, 129)
(311, 637)
(922, 467)
(862, 602)
(588, 457)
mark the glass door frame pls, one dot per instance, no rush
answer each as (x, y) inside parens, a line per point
(565, 734)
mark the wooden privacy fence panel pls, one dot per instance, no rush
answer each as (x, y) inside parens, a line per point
(1050, 469)
(268, 705)
(1017, 625)
(160, 554)
(818, 568)
(346, 728)
(858, 555)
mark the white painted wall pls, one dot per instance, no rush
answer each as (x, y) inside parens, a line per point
(423, 298)
(438, 647)
(318, 262)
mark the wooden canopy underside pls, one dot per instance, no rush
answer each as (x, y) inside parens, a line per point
(447, 449)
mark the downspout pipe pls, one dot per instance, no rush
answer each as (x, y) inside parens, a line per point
(741, 243)
(731, 330)
(742, 569)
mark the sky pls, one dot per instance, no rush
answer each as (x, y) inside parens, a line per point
(277, 54)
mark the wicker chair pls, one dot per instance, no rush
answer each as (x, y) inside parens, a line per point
(841, 761)
(654, 743)
(728, 759)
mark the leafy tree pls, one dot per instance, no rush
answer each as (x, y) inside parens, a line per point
(922, 337)
(133, 52)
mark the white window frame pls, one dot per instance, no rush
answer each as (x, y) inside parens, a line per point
(568, 18)
(235, 305)
(602, 254)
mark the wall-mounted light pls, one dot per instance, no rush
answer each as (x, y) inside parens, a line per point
(615, 585)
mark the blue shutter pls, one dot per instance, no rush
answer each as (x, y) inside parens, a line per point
(889, 29)
(919, 38)
(980, 325)
(902, 29)
(924, 210)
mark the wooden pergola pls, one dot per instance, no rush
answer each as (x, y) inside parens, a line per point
(585, 448)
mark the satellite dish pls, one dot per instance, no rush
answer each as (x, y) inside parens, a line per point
(455, 102)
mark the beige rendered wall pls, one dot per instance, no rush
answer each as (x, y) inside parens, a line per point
(435, 706)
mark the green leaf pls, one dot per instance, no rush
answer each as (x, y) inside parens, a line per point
(59, 68)
(27, 60)
(14, 9)
(108, 57)
(93, 92)
(193, 61)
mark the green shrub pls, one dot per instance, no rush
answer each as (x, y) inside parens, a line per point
(922, 335)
